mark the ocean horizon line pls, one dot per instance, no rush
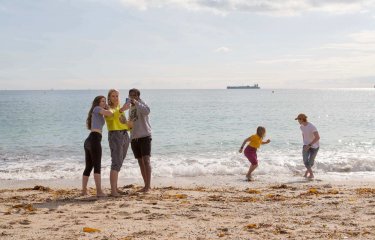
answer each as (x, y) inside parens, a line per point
(262, 88)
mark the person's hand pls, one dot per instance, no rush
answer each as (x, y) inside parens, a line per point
(306, 147)
(268, 141)
(130, 124)
(106, 107)
(126, 106)
(122, 119)
(133, 101)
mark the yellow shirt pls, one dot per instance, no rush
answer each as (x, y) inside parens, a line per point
(113, 122)
(255, 141)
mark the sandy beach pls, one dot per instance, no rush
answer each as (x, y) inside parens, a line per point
(209, 209)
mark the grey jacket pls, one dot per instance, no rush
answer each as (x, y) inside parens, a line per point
(139, 115)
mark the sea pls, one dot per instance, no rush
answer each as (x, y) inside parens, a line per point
(194, 132)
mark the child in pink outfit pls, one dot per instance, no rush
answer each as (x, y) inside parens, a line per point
(251, 150)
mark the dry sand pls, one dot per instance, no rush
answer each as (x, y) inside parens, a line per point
(247, 210)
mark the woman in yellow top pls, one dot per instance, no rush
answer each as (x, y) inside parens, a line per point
(118, 137)
(251, 150)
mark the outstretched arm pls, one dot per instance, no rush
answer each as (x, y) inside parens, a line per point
(124, 107)
(243, 144)
(106, 112)
(266, 142)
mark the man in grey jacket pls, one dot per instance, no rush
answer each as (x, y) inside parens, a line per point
(140, 135)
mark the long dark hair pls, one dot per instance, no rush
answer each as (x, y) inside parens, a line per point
(95, 103)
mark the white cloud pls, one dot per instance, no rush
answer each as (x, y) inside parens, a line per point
(5, 9)
(359, 44)
(364, 36)
(269, 7)
(292, 59)
(140, 4)
(351, 59)
(363, 41)
(222, 50)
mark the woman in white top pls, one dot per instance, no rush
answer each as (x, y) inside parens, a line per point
(310, 136)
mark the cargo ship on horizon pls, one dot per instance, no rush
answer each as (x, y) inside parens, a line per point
(255, 86)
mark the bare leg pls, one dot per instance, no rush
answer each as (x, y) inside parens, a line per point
(143, 172)
(305, 175)
(113, 177)
(85, 180)
(147, 166)
(98, 184)
(251, 169)
(311, 173)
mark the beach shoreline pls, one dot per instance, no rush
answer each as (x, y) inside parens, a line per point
(206, 181)
(218, 207)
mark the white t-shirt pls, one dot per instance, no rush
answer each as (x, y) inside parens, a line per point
(308, 134)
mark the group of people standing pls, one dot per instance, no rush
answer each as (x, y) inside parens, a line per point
(137, 123)
(112, 113)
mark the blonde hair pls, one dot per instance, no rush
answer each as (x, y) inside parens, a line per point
(261, 132)
(109, 96)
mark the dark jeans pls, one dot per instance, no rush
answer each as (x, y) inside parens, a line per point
(309, 156)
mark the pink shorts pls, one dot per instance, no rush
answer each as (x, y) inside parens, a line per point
(251, 154)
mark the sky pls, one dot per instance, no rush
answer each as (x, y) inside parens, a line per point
(186, 44)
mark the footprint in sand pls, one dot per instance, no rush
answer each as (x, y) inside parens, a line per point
(6, 226)
(24, 222)
(5, 234)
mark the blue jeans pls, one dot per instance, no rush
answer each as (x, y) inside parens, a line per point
(309, 156)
